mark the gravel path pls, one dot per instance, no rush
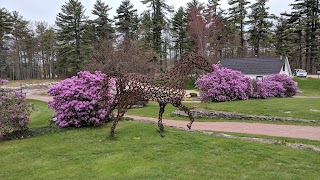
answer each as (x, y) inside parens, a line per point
(292, 131)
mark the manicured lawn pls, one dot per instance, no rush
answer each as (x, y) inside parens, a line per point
(139, 153)
(303, 108)
(41, 114)
(308, 86)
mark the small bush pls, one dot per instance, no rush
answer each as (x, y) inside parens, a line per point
(77, 100)
(14, 110)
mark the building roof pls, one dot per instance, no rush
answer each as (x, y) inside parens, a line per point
(257, 65)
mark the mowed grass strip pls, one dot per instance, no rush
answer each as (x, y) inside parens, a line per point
(40, 115)
(140, 153)
(299, 108)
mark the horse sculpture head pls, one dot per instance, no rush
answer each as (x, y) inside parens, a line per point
(194, 59)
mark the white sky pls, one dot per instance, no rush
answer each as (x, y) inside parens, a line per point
(46, 10)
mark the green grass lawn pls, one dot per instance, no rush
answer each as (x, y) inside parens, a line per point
(140, 153)
(301, 108)
(308, 86)
(41, 115)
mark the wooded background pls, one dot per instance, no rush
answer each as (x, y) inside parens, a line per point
(155, 39)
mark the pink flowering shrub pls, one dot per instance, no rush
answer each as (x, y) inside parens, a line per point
(14, 110)
(226, 85)
(265, 89)
(223, 85)
(289, 86)
(77, 100)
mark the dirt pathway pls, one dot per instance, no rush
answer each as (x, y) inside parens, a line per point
(292, 131)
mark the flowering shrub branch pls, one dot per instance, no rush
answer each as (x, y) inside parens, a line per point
(226, 85)
(77, 100)
(14, 110)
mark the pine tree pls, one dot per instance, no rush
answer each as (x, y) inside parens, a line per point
(260, 25)
(102, 24)
(179, 23)
(158, 14)
(127, 17)
(5, 29)
(6, 25)
(72, 50)
(283, 37)
(305, 19)
(237, 15)
(21, 36)
(145, 26)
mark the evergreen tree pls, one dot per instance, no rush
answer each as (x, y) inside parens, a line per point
(21, 38)
(283, 37)
(179, 23)
(144, 29)
(237, 15)
(5, 29)
(128, 20)
(159, 10)
(260, 25)
(102, 24)
(195, 3)
(6, 25)
(305, 20)
(72, 47)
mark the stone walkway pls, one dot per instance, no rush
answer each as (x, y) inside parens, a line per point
(292, 131)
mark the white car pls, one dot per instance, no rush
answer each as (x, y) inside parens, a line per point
(301, 73)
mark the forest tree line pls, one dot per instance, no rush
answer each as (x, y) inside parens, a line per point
(156, 38)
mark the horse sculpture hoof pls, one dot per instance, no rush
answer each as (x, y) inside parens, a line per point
(189, 126)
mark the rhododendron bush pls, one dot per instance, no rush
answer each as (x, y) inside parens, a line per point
(14, 110)
(77, 100)
(223, 85)
(226, 85)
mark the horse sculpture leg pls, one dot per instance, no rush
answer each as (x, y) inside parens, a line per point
(186, 110)
(161, 111)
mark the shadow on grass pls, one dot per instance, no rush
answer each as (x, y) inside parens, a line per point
(39, 131)
(31, 132)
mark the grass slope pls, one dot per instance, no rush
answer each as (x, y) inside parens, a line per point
(308, 86)
(139, 153)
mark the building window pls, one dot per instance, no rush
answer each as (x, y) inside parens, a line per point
(259, 78)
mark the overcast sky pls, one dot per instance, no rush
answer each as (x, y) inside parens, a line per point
(46, 10)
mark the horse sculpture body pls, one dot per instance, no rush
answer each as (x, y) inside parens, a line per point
(164, 89)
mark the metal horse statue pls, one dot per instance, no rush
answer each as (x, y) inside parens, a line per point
(164, 89)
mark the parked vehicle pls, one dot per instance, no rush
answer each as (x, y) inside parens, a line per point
(300, 73)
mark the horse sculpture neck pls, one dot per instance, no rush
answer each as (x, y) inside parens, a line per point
(179, 73)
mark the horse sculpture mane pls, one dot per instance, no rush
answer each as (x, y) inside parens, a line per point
(164, 89)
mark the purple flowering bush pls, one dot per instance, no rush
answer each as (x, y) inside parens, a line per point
(14, 110)
(289, 86)
(226, 85)
(223, 85)
(77, 100)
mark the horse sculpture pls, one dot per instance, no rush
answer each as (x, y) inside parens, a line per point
(164, 89)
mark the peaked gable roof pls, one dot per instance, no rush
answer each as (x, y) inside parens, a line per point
(257, 65)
